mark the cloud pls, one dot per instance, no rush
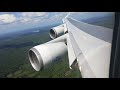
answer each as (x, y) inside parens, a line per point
(28, 16)
(54, 18)
(33, 14)
(24, 19)
(31, 17)
(7, 18)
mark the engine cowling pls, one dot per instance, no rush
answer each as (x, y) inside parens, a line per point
(42, 56)
(56, 31)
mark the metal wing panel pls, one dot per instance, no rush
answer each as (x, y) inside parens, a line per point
(99, 32)
(84, 67)
(71, 53)
(96, 50)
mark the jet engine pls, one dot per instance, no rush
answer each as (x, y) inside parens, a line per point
(56, 31)
(42, 56)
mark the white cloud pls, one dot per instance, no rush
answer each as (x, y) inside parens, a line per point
(58, 16)
(28, 16)
(7, 18)
(31, 19)
(33, 14)
(24, 19)
(50, 19)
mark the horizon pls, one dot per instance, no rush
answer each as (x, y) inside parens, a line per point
(11, 22)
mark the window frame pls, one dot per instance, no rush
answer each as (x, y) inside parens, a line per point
(114, 71)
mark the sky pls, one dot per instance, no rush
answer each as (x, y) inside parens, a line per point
(16, 21)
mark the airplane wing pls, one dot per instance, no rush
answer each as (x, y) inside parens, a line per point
(91, 46)
(88, 44)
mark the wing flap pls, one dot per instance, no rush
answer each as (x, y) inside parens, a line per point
(71, 54)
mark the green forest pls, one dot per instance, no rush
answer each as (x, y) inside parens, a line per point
(14, 61)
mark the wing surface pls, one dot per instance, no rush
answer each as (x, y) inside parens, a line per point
(91, 46)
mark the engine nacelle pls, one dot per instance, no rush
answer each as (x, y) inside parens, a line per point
(56, 31)
(41, 56)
